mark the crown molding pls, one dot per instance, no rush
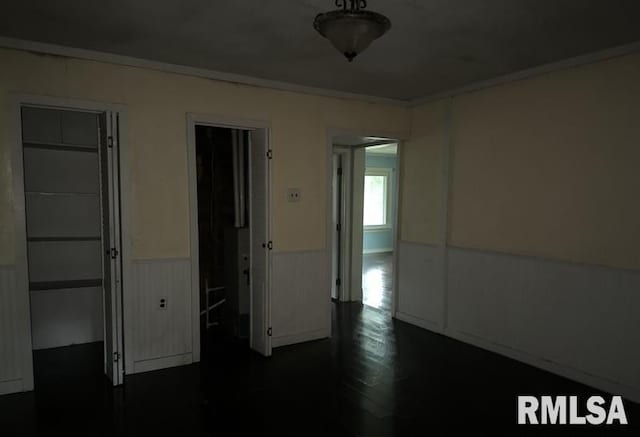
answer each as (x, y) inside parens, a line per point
(129, 61)
(564, 64)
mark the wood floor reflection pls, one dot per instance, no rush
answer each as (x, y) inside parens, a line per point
(377, 280)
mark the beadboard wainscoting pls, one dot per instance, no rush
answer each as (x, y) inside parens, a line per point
(420, 299)
(11, 351)
(300, 299)
(574, 319)
(158, 337)
(577, 320)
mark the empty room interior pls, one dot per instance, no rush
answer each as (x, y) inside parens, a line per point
(324, 218)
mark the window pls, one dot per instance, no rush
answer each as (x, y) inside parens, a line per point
(377, 197)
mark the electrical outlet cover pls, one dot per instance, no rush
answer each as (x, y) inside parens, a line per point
(293, 195)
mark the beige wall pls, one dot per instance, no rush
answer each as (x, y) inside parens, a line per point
(544, 166)
(157, 104)
(547, 166)
(421, 175)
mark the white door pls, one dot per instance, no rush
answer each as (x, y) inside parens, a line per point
(260, 311)
(111, 272)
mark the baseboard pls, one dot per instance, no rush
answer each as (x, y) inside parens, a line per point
(162, 363)
(631, 393)
(14, 386)
(383, 250)
(286, 340)
(418, 321)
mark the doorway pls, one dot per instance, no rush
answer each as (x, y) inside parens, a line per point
(379, 215)
(363, 220)
(229, 170)
(69, 183)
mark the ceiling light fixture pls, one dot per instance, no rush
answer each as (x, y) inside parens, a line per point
(350, 28)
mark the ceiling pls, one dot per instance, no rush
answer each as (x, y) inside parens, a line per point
(433, 45)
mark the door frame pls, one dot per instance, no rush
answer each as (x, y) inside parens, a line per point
(194, 119)
(16, 102)
(345, 234)
(395, 137)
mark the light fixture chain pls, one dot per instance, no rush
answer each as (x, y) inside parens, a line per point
(355, 5)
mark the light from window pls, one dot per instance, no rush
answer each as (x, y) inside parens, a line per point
(375, 200)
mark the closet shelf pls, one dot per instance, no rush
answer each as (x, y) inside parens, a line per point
(58, 285)
(59, 239)
(60, 193)
(60, 146)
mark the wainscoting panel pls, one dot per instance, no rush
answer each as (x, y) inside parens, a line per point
(10, 350)
(159, 333)
(582, 319)
(420, 285)
(300, 297)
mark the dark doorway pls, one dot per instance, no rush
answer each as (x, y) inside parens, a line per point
(223, 230)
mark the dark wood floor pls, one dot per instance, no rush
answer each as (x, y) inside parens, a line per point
(374, 377)
(377, 280)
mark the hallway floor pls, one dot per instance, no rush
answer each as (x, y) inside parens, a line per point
(374, 377)
(377, 280)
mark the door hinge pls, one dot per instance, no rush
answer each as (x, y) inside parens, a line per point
(270, 245)
(338, 282)
(116, 357)
(338, 227)
(340, 171)
(114, 253)
(110, 142)
(270, 331)
(270, 154)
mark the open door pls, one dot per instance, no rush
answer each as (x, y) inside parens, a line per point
(260, 311)
(112, 266)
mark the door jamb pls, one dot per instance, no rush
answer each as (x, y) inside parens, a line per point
(395, 278)
(194, 119)
(345, 234)
(16, 101)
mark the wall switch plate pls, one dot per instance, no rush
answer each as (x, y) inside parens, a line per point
(293, 195)
(163, 303)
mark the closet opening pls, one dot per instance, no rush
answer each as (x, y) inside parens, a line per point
(72, 221)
